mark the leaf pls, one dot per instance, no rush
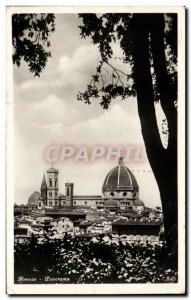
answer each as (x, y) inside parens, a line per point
(30, 37)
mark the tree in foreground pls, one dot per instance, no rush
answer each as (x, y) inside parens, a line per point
(149, 46)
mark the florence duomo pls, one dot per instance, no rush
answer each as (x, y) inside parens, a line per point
(120, 191)
(118, 210)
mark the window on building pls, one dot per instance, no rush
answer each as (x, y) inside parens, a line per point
(39, 204)
(56, 194)
(56, 202)
(74, 202)
(50, 182)
(67, 191)
(112, 193)
(55, 182)
(50, 194)
(124, 193)
(85, 202)
(63, 202)
(50, 203)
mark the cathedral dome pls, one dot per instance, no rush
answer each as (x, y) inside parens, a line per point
(120, 178)
(33, 199)
(138, 202)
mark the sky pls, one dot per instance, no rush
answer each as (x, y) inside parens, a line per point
(47, 113)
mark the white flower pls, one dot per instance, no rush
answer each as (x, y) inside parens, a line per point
(88, 270)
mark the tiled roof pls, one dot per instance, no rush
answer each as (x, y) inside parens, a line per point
(63, 213)
(111, 203)
(88, 196)
(120, 178)
(137, 222)
(83, 197)
(138, 202)
(33, 199)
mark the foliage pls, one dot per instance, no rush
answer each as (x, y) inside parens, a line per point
(107, 29)
(31, 40)
(86, 261)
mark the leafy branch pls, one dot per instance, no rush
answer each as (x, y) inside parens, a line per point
(106, 29)
(31, 40)
(119, 85)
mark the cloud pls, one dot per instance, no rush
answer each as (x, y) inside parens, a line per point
(74, 73)
(29, 84)
(116, 125)
(51, 110)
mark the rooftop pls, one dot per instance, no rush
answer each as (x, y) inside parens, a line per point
(82, 197)
(125, 222)
(65, 213)
(120, 178)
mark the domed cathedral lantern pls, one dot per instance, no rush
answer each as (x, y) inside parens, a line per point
(52, 187)
(120, 185)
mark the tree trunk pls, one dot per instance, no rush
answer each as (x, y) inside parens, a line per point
(168, 93)
(162, 161)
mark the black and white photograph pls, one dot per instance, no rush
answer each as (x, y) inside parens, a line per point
(95, 150)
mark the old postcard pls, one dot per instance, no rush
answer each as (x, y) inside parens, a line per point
(95, 150)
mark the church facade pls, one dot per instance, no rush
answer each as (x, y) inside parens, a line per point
(120, 190)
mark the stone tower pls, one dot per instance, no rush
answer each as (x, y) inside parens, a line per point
(69, 193)
(52, 187)
(43, 190)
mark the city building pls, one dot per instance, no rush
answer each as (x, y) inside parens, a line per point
(120, 191)
(137, 230)
(118, 212)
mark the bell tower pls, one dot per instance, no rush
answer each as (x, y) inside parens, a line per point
(43, 189)
(52, 187)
